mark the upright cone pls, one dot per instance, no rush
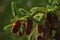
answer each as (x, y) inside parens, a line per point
(48, 27)
(28, 26)
(16, 26)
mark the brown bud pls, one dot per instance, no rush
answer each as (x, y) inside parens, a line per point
(39, 28)
(16, 26)
(39, 37)
(28, 25)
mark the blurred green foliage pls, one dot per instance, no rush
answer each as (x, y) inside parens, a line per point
(6, 13)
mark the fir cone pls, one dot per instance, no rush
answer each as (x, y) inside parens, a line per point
(16, 26)
(52, 19)
(28, 26)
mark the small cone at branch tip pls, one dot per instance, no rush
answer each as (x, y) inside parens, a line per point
(28, 26)
(48, 20)
(39, 28)
(52, 19)
(48, 28)
(39, 37)
(16, 26)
